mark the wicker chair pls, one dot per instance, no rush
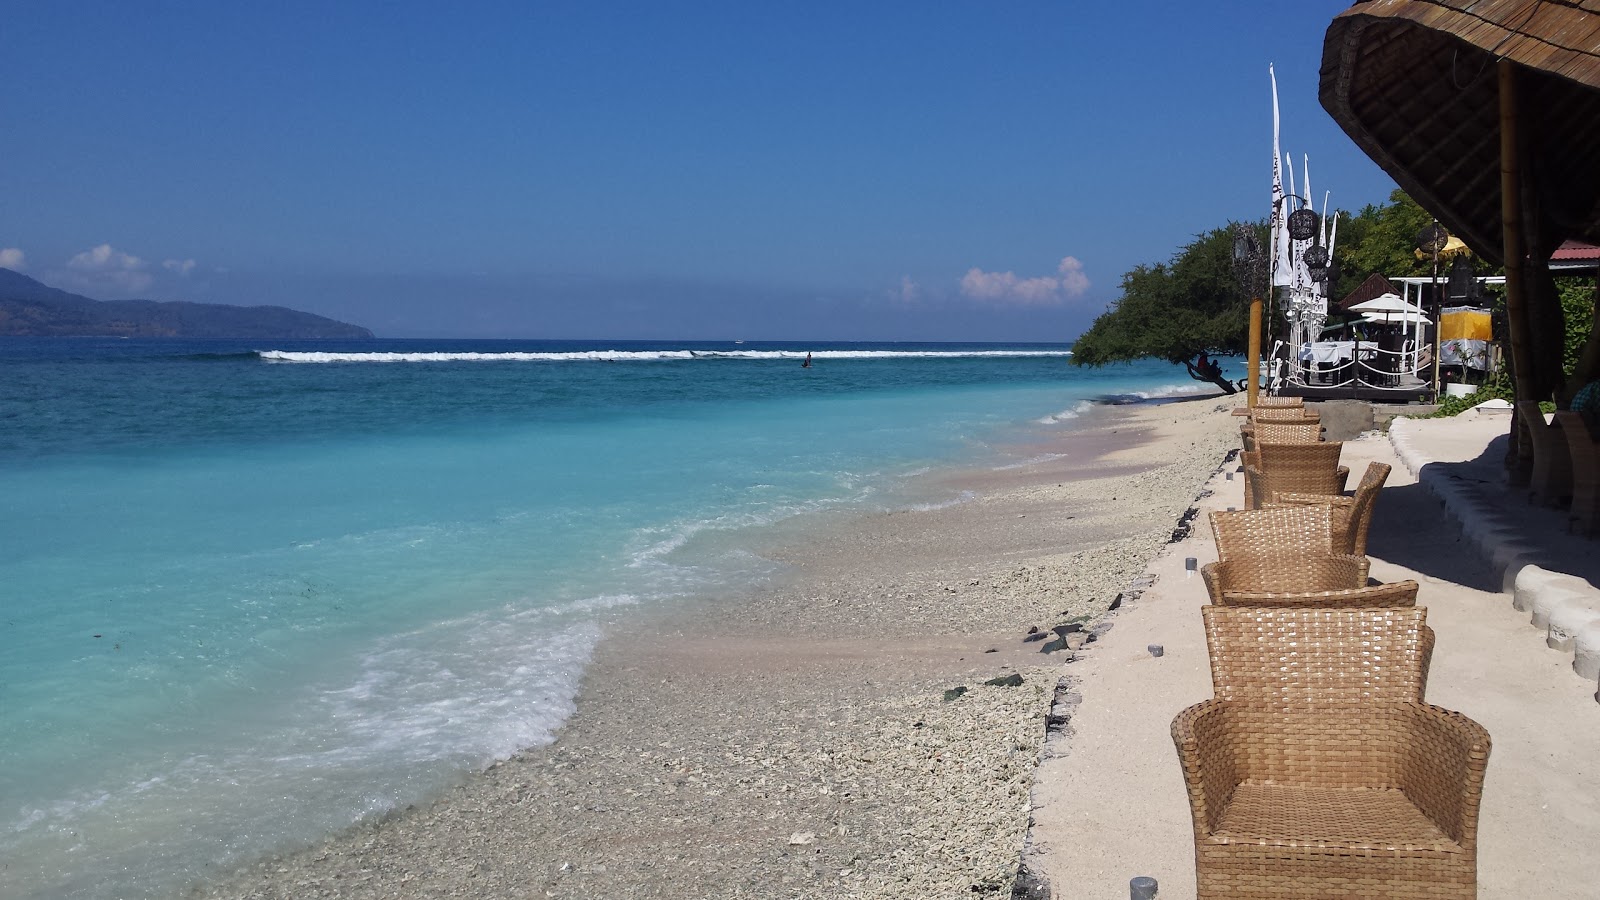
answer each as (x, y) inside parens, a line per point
(1551, 483)
(1272, 532)
(1317, 772)
(1352, 516)
(1284, 549)
(1280, 433)
(1297, 469)
(1250, 458)
(1280, 402)
(1283, 414)
(1585, 456)
(1394, 594)
(1300, 573)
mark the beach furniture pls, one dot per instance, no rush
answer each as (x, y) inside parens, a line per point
(1352, 515)
(1398, 594)
(1283, 414)
(1296, 469)
(1302, 573)
(1272, 532)
(1317, 771)
(1551, 483)
(1584, 455)
(1279, 550)
(1271, 403)
(1277, 432)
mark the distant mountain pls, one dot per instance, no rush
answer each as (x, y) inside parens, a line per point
(30, 308)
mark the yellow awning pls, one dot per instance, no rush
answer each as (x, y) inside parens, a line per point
(1472, 326)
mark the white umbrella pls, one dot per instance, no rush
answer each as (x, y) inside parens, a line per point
(1396, 318)
(1386, 304)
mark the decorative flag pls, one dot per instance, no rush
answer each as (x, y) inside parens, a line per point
(1281, 273)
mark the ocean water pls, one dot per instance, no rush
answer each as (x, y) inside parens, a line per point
(251, 594)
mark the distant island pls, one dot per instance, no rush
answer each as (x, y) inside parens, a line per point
(29, 308)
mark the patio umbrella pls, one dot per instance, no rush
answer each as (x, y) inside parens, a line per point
(1397, 318)
(1387, 305)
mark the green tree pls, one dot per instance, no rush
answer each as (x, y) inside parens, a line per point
(1381, 239)
(1183, 311)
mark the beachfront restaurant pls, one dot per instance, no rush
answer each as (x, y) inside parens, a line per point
(1488, 115)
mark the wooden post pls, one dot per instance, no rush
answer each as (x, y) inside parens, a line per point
(1254, 387)
(1517, 320)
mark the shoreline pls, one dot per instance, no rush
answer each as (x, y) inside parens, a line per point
(795, 739)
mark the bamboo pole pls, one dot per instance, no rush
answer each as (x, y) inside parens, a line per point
(1517, 319)
(1255, 352)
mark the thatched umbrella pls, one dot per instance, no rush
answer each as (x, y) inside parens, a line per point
(1487, 112)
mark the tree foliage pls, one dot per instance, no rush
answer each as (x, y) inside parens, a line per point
(1380, 239)
(1176, 311)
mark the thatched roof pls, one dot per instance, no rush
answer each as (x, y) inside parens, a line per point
(1414, 83)
(1374, 287)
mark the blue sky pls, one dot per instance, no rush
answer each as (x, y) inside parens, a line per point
(784, 171)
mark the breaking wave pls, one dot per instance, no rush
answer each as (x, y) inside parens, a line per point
(295, 356)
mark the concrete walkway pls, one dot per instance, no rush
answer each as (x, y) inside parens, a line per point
(1110, 802)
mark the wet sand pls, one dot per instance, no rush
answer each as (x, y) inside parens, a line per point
(797, 741)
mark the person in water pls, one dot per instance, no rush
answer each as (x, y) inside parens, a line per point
(807, 363)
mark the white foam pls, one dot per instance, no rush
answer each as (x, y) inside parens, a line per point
(1031, 461)
(1067, 415)
(963, 497)
(295, 356)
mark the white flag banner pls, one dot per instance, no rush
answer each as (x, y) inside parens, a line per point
(1281, 274)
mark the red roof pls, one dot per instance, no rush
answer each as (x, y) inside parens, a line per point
(1575, 250)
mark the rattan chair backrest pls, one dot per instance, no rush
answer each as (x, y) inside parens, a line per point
(1273, 533)
(1283, 414)
(1297, 468)
(1301, 657)
(1288, 432)
(1285, 573)
(1270, 402)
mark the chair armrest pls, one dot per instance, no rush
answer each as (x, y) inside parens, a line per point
(1443, 771)
(1213, 578)
(1395, 594)
(1201, 734)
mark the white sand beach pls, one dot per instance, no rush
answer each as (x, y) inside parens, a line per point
(796, 741)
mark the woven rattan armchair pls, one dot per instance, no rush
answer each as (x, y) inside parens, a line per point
(1302, 573)
(1297, 469)
(1250, 458)
(1282, 549)
(1283, 414)
(1317, 772)
(1585, 456)
(1551, 483)
(1280, 433)
(1352, 516)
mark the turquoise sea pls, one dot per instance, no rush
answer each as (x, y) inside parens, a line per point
(252, 593)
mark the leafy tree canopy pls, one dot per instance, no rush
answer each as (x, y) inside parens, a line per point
(1183, 311)
(1381, 239)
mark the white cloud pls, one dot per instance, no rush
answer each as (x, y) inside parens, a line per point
(1045, 290)
(13, 259)
(107, 268)
(1073, 282)
(105, 258)
(907, 293)
(181, 266)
